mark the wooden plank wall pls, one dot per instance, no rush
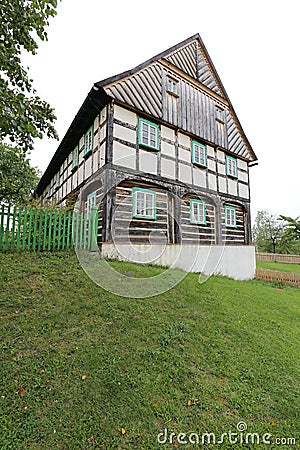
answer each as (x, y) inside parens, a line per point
(233, 235)
(129, 229)
(197, 234)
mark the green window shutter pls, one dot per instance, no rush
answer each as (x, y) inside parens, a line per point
(199, 154)
(88, 142)
(143, 204)
(148, 134)
(197, 212)
(231, 166)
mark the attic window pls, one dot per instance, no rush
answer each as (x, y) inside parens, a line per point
(172, 86)
(219, 114)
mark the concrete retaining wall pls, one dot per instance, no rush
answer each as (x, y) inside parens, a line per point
(237, 262)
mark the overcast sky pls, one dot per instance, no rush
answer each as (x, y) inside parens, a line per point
(254, 46)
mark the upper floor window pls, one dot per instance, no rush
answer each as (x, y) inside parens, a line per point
(230, 216)
(88, 142)
(198, 154)
(197, 212)
(144, 203)
(57, 181)
(231, 166)
(172, 86)
(148, 134)
(220, 114)
(75, 158)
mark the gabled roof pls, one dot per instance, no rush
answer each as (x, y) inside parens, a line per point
(189, 56)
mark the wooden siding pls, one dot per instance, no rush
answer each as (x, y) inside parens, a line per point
(191, 60)
(193, 109)
(197, 234)
(128, 229)
(142, 90)
(234, 235)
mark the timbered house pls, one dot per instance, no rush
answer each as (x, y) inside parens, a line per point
(160, 152)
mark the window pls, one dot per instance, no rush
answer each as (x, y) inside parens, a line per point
(148, 134)
(231, 166)
(144, 204)
(57, 181)
(219, 114)
(172, 86)
(88, 142)
(75, 158)
(230, 216)
(198, 154)
(198, 212)
(90, 202)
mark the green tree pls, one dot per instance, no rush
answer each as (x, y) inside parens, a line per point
(267, 231)
(17, 178)
(23, 115)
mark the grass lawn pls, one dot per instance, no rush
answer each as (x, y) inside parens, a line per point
(281, 267)
(86, 369)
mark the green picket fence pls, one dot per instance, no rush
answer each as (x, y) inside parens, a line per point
(47, 229)
(35, 229)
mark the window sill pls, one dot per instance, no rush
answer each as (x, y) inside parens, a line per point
(148, 147)
(87, 154)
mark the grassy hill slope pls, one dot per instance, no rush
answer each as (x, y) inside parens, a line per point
(87, 369)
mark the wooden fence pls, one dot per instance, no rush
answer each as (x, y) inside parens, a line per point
(47, 229)
(274, 275)
(34, 229)
(277, 257)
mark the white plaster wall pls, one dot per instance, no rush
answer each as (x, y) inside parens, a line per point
(125, 115)
(199, 177)
(184, 140)
(124, 133)
(220, 155)
(237, 262)
(168, 133)
(212, 182)
(185, 173)
(167, 168)
(244, 191)
(232, 187)
(124, 156)
(148, 161)
(222, 184)
(167, 149)
(184, 155)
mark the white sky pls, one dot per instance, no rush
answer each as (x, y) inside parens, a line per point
(254, 46)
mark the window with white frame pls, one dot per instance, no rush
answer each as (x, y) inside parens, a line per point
(231, 166)
(75, 158)
(88, 142)
(148, 134)
(230, 216)
(90, 202)
(172, 86)
(199, 154)
(144, 204)
(197, 211)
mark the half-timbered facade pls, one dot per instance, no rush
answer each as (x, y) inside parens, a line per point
(160, 152)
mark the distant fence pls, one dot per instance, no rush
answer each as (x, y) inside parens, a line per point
(274, 275)
(277, 257)
(41, 229)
